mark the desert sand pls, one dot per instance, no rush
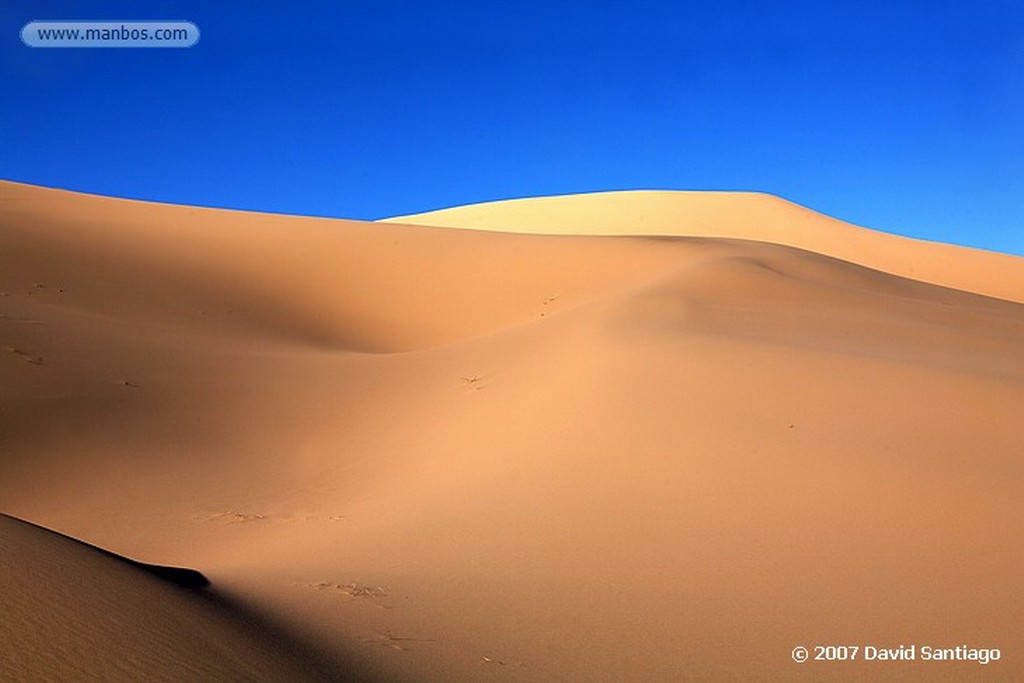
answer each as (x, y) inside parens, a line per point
(609, 437)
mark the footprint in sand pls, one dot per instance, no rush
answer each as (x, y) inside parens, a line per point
(26, 356)
(473, 382)
(351, 590)
(394, 642)
(233, 517)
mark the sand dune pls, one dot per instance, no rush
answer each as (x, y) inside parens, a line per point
(475, 455)
(75, 612)
(740, 215)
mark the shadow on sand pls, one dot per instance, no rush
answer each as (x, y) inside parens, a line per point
(316, 663)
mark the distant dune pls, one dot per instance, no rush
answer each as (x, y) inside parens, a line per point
(740, 215)
(611, 437)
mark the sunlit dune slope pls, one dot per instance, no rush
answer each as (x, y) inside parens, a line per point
(741, 215)
(468, 455)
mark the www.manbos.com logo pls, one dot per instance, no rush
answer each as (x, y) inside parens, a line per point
(110, 34)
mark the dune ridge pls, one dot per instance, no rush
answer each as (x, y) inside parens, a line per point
(76, 612)
(459, 454)
(741, 215)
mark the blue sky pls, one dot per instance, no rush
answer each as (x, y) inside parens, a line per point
(902, 116)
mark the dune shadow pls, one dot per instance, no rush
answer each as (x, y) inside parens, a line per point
(314, 661)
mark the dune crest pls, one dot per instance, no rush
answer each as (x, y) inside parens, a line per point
(76, 612)
(740, 215)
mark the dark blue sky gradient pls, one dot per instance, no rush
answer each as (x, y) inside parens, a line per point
(902, 116)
